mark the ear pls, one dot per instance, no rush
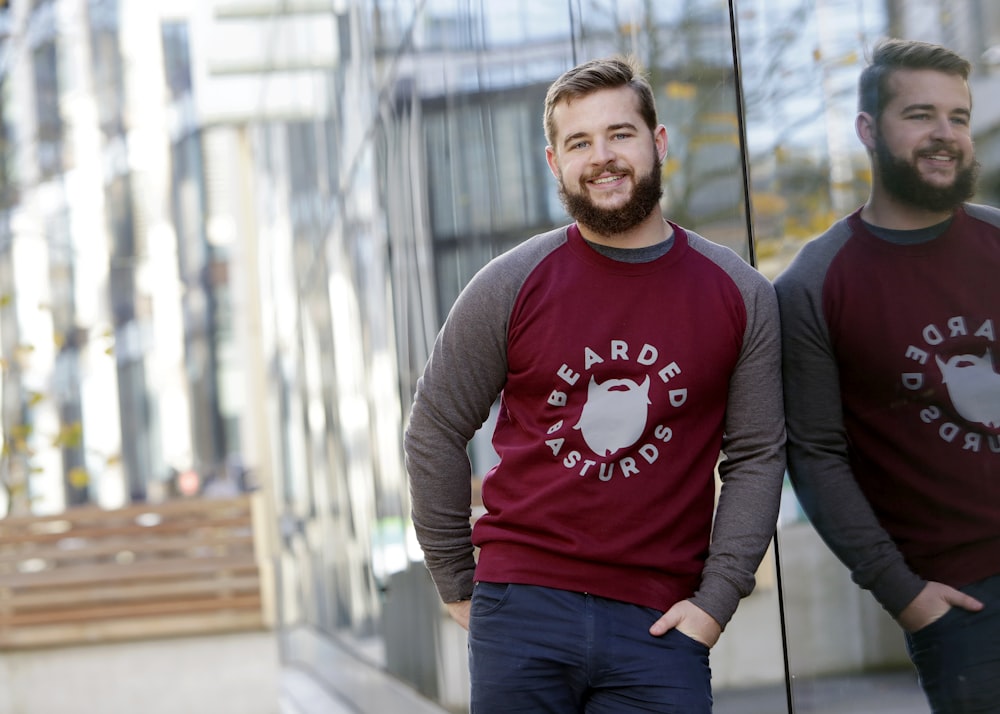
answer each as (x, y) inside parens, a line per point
(865, 126)
(660, 140)
(550, 158)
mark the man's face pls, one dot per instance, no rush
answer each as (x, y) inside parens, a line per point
(923, 142)
(607, 161)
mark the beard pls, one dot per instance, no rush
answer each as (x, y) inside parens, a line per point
(903, 181)
(613, 221)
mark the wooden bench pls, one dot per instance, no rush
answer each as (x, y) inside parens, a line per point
(93, 575)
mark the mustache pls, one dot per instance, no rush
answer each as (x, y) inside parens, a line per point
(609, 169)
(941, 147)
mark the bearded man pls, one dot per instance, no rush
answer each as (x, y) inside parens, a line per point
(626, 352)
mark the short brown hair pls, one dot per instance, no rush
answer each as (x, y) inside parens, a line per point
(594, 75)
(891, 55)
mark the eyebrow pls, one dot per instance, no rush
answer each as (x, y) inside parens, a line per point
(931, 107)
(610, 128)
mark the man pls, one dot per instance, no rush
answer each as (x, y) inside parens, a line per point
(626, 351)
(892, 394)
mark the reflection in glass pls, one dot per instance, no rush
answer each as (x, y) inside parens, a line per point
(807, 169)
(801, 64)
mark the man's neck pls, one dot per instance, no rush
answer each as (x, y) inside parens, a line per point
(651, 231)
(886, 212)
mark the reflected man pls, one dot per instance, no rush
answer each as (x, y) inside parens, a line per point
(892, 391)
(626, 352)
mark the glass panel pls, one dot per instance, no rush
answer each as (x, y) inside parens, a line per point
(801, 62)
(800, 66)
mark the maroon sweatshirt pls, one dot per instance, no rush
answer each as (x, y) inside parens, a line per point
(620, 383)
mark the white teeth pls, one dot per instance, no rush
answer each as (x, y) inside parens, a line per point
(607, 179)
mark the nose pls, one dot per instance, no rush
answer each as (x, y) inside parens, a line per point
(943, 129)
(602, 153)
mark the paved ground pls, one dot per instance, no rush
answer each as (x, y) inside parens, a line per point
(221, 674)
(883, 693)
(242, 674)
(304, 694)
(888, 693)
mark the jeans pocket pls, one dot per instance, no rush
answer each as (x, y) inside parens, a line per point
(488, 598)
(942, 623)
(688, 640)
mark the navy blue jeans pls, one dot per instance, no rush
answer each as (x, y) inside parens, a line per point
(536, 650)
(958, 656)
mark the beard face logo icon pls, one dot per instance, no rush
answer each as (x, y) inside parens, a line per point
(614, 416)
(974, 387)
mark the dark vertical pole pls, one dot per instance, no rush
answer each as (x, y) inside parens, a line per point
(744, 153)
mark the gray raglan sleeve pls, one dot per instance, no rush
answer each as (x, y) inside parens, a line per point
(817, 441)
(753, 466)
(464, 376)
(461, 381)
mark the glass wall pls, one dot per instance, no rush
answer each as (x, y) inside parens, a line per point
(801, 62)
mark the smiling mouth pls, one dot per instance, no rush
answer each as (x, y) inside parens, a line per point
(607, 180)
(940, 153)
